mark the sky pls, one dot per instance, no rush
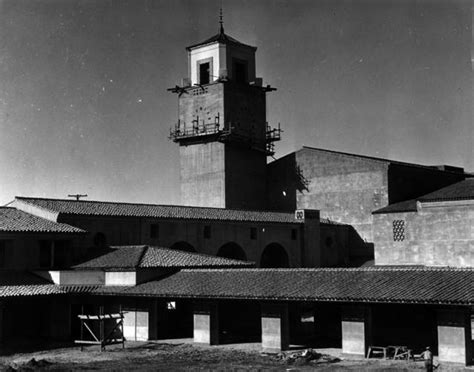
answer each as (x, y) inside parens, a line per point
(84, 106)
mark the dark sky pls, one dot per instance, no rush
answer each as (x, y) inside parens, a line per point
(84, 106)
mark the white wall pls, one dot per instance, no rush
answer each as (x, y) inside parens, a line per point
(120, 278)
(214, 51)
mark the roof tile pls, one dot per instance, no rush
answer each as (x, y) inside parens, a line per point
(97, 208)
(133, 257)
(413, 285)
(14, 220)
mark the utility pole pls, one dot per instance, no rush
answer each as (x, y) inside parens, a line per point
(77, 196)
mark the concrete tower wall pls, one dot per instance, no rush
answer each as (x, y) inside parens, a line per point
(223, 170)
(203, 172)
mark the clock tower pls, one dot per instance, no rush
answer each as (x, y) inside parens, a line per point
(222, 132)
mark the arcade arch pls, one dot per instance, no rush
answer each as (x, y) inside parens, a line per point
(183, 246)
(274, 256)
(232, 250)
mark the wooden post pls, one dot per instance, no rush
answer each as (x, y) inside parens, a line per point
(121, 326)
(82, 327)
(101, 327)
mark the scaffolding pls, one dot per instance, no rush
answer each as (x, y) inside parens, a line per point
(102, 336)
(201, 130)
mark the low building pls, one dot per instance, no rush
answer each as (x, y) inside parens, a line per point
(436, 229)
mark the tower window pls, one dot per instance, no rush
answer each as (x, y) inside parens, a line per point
(154, 230)
(398, 230)
(240, 71)
(204, 73)
(207, 232)
(294, 234)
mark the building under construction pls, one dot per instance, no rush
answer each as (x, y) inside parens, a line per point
(318, 248)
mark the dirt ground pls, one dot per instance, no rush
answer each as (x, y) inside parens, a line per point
(185, 356)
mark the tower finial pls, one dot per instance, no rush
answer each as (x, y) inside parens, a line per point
(221, 22)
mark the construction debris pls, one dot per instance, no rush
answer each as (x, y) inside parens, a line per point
(307, 356)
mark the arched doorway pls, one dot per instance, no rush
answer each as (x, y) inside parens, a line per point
(274, 255)
(183, 246)
(232, 250)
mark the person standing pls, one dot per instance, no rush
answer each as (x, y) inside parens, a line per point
(427, 356)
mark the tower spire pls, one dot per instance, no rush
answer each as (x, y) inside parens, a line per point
(221, 22)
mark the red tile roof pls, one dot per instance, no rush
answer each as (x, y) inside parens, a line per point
(14, 220)
(133, 257)
(387, 285)
(98, 208)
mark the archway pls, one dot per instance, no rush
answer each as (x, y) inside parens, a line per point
(183, 246)
(232, 250)
(274, 255)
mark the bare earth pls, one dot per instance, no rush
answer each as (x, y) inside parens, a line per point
(185, 356)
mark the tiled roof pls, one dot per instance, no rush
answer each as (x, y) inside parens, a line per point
(222, 38)
(404, 206)
(21, 283)
(132, 257)
(395, 285)
(14, 220)
(463, 190)
(97, 208)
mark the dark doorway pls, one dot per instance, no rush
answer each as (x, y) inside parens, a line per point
(274, 256)
(233, 251)
(175, 319)
(239, 321)
(405, 325)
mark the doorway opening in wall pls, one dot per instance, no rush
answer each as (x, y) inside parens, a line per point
(204, 73)
(239, 322)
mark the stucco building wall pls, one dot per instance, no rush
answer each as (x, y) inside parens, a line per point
(434, 236)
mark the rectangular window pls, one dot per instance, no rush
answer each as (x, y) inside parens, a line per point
(45, 253)
(253, 233)
(240, 71)
(3, 252)
(398, 230)
(171, 305)
(294, 234)
(204, 72)
(207, 232)
(154, 230)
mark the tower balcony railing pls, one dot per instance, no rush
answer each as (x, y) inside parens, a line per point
(182, 132)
